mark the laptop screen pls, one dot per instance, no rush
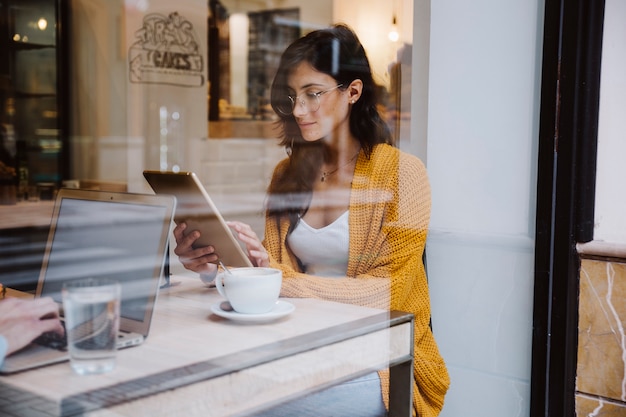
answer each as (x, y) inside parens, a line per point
(121, 240)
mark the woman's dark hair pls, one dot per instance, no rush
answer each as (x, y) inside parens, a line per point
(335, 51)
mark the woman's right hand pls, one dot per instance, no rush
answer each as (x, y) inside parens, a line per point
(256, 252)
(200, 260)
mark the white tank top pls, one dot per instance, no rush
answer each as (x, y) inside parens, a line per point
(324, 251)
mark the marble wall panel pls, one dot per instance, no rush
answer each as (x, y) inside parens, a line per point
(602, 336)
(595, 407)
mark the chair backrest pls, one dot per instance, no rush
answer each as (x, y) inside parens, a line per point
(430, 323)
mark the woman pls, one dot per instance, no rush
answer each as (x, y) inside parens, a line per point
(347, 214)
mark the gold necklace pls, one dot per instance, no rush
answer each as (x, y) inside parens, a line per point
(326, 174)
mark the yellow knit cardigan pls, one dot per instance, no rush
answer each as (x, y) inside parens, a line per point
(389, 213)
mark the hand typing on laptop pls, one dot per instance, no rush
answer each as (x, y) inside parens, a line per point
(101, 231)
(23, 320)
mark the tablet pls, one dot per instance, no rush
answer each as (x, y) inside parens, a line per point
(195, 207)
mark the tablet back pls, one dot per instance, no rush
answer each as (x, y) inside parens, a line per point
(195, 207)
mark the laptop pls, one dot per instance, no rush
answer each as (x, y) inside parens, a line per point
(123, 236)
(195, 207)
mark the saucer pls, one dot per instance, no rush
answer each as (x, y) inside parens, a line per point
(281, 309)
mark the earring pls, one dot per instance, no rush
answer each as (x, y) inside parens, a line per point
(352, 102)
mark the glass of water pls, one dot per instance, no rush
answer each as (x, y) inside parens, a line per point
(92, 317)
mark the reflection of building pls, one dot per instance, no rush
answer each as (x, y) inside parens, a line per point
(399, 104)
(270, 33)
(218, 57)
(32, 110)
(7, 132)
(267, 34)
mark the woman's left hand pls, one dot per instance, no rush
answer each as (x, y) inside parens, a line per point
(256, 252)
(22, 320)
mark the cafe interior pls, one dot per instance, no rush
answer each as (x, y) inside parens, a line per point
(526, 251)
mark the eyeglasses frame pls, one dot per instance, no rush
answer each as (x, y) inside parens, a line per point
(295, 100)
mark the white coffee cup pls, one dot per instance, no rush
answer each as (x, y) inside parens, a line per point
(253, 290)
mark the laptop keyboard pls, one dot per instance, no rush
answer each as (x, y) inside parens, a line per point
(52, 340)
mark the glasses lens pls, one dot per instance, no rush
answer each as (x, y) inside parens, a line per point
(312, 101)
(285, 107)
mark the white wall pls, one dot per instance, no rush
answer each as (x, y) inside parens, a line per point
(238, 30)
(97, 83)
(167, 107)
(118, 129)
(610, 221)
(483, 116)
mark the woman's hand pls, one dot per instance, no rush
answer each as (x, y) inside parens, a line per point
(200, 260)
(256, 252)
(22, 320)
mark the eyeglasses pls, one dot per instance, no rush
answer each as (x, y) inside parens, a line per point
(309, 100)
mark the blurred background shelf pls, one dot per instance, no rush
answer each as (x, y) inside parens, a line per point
(34, 90)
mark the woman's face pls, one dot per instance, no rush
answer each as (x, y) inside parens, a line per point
(331, 119)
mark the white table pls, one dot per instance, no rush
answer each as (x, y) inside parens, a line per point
(195, 363)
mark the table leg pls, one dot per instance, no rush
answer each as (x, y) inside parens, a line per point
(401, 389)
